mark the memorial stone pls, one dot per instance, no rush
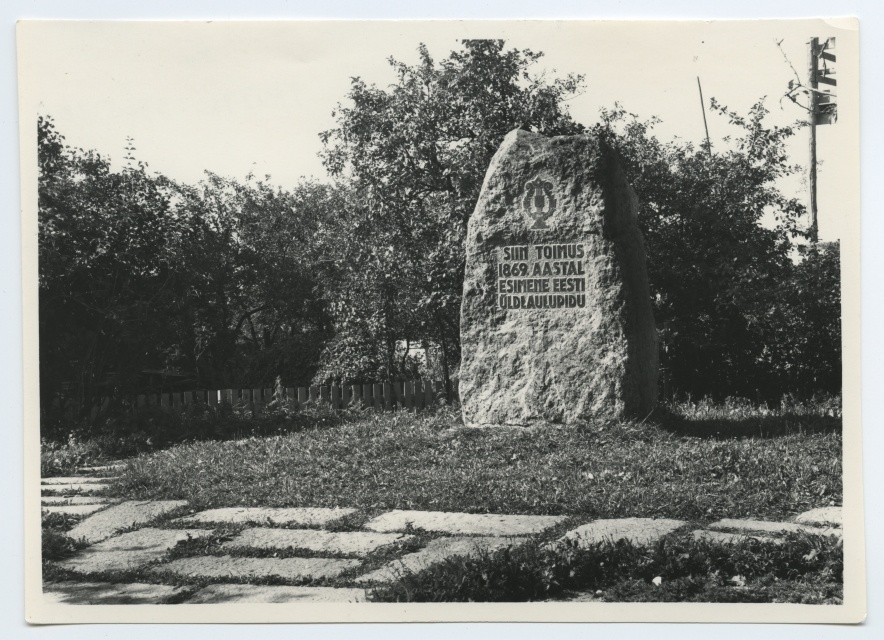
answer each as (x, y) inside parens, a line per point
(556, 320)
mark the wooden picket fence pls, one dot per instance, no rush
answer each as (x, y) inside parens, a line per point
(412, 395)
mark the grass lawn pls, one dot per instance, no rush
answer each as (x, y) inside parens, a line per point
(697, 462)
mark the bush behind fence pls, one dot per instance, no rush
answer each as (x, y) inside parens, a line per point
(411, 395)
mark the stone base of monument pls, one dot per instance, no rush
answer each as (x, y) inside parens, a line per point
(556, 320)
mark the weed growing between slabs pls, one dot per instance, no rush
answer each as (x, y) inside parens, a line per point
(697, 462)
(806, 569)
(55, 544)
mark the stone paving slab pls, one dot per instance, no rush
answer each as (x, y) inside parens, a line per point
(72, 509)
(357, 543)
(107, 593)
(463, 523)
(437, 551)
(303, 516)
(122, 516)
(639, 531)
(770, 527)
(822, 516)
(733, 538)
(75, 480)
(236, 568)
(263, 594)
(129, 550)
(55, 500)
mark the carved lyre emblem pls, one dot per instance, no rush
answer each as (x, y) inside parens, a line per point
(539, 202)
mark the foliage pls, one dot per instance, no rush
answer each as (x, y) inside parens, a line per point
(804, 324)
(414, 156)
(106, 258)
(230, 283)
(141, 278)
(720, 235)
(252, 308)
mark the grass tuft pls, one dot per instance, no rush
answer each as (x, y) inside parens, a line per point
(56, 544)
(676, 569)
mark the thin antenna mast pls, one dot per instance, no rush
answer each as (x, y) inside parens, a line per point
(705, 125)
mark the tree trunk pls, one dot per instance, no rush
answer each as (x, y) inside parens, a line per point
(446, 376)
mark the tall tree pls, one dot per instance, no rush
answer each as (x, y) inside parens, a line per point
(804, 325)
(105, 261)
(415, 156)
(138, 273)
(253, 310)
(720, 235)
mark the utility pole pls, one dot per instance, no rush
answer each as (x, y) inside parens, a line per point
(813, 68)
(822, 107)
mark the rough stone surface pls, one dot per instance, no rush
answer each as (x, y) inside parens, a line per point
(594, 355)
(435, 552)
(770, 527)
(733, 538)
(304, 516)
(357, 543)
(75, 480)
(107, 593)
(49, 500)
(129, 550)
(122, 516)
(236, 568)
(639, 531)
(821, 516)
(463, 523)
(73, 509)
(262, 594)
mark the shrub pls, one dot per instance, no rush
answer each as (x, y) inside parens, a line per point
(128, 431)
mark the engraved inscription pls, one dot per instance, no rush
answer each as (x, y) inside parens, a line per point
(541, 276)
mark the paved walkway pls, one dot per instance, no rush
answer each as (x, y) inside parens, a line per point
(320, 551)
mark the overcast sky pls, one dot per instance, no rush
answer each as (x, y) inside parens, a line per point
(239, 97)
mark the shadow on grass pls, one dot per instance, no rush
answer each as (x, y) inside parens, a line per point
(755, 426)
